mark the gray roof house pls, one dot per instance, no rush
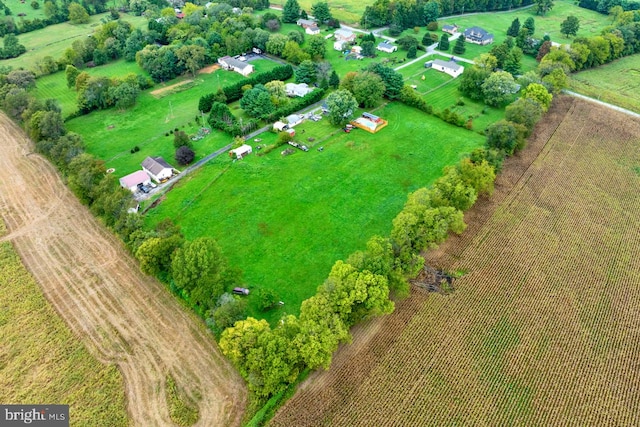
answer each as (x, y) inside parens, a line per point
(448, 67)
(232, 64)
(387, 47)
(157, 168)
(478, 35)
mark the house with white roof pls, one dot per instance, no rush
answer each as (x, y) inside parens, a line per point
(448, 67)
(232, 64)
(345, 35)
(300, 89)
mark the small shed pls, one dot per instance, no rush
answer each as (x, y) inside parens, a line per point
(339, 45)
(280, 126)
(157, 168)
(132, 180)
(240, 152)
(357, 50)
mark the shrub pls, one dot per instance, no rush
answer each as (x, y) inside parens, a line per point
(432, 26)
(184, 155)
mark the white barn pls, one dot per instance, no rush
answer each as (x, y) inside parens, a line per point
(242, 151)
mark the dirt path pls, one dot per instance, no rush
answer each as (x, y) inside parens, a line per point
(123, 316)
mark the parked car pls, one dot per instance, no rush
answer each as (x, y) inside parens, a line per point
(240, 291)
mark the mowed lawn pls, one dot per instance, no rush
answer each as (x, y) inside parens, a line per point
(111, 134)
(349, 11)
(284, 221)
(622, 90)
(43, 362)
(55, 39)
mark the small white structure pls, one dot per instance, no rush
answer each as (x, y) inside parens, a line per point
(300, 89)
(232, 64)
(451, 29)
(241, 151)
(294, 120)
(387, 47)
(357, 50)
(280, 126)
(449, 67)
(157, 168)
(312, 30)
(132, 180)
(345, 35)
(339, 45)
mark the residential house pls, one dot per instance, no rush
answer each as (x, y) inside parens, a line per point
(132, 180)
(294, 119)
(345, 35)
(312, 30)
(448, 67)
(387, 47)
(240, 152)
(339, 45)
(478, 35)
(157, 168)
(306, 23)
(232, 64)
(293, 89)
(451, 29)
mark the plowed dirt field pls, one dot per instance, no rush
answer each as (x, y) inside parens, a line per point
(122, 316)
(543, 328)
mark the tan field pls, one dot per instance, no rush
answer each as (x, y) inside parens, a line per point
(544, 326)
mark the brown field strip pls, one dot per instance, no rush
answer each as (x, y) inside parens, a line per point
(544, 327)
(121, 315)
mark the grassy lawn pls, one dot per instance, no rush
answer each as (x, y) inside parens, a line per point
(55, 39)
(284, 221)
(349, 11)
(42, 360)
(111, 134)
(623, 90)
(55, 85)
(30, 13)
(432, 79)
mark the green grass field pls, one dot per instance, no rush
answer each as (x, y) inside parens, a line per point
(284, 221)
(30, 13)
(623, 90)
(55, 85)
(111, 134)
(348, 11)
(55, 39)
(41, 361)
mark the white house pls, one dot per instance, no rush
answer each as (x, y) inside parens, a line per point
(449, 67)
(232, 64)
(451, 29)
(241, 151)
(294, 119)
(387, 47)
(157, 168)
(357, 50)
(339, 45)
(345, 35)
(132, 180)
(312, 30)
(300, 89)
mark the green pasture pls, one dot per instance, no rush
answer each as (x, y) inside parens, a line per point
(284, 221)
(622, 90)
(55, 39)
(349, 11)
(30, 13)
(111, 134)
(55, 85)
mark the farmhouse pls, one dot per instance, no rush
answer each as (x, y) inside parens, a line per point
(157, 168)
(451, 29)
(232, 64)
(312, 30)
(345, 35)
(387, 47)
(478, 35)
(241, 151)
(300, 89)
(132, 180)
(449, 67)
(306, 23)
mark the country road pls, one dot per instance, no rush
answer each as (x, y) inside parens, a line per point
(122, 316)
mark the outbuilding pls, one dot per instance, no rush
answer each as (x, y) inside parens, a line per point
(387, 47)
(312, 30)
(240, 152)
(157, 168)
(132, 180)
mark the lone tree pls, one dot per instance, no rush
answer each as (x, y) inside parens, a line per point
(291, 11)
(412, 52)
(570, 26)
(78, 14)
(514, 29)
(341, 105)
(184, 155)
(543, 6)
(444, 42)
(459, 47)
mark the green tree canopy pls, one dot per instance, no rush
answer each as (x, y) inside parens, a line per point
(78, 14)
(514, 28)
(342, 105)
(498, 88)
(291, 12)
(321, 11)
(570, 26)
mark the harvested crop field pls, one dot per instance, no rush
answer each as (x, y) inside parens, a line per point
(544, 327)
(123, 317)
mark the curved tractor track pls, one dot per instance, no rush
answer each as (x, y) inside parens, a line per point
(123, 316)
